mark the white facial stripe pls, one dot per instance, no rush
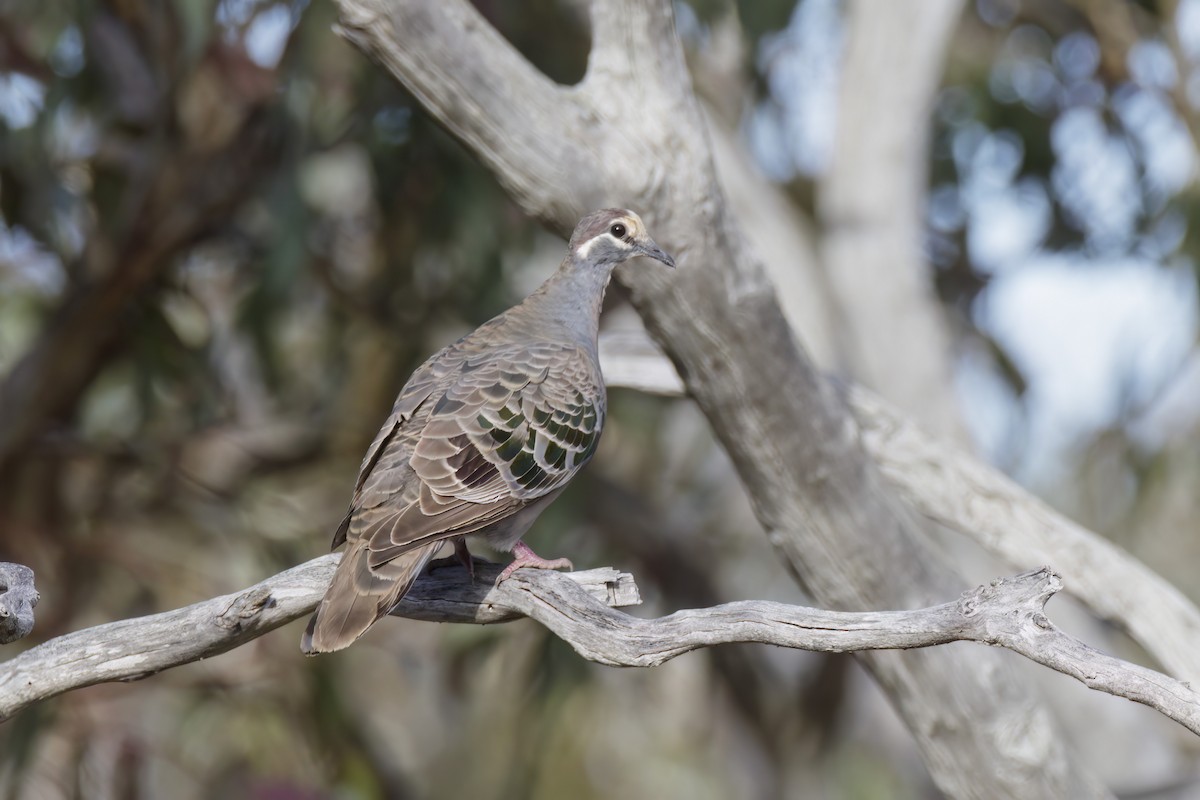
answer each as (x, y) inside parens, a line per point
(585, 248)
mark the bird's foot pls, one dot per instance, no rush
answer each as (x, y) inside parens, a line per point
(525, 557)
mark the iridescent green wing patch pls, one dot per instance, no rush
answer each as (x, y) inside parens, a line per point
(518, 425)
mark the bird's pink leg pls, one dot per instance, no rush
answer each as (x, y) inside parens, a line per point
(523, 556)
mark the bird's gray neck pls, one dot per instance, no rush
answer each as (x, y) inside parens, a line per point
(567, 306)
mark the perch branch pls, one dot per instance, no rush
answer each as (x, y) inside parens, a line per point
(137, 648)
(960, 491)
(577, 607)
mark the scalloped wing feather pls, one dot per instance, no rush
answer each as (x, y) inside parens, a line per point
(495, 435)
(472, 440)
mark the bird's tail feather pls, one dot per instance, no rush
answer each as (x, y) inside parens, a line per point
(358, 596)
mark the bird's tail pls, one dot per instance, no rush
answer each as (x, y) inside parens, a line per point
(358, 596)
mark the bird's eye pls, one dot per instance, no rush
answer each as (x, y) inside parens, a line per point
(617, 230)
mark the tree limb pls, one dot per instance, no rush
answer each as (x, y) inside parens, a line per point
(1008, 613)
(137, 648)
(787, 239)
(487, 100)
(961, 492)
(17, 600)
(576, 607)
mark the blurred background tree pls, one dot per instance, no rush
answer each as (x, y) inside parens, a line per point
(226, 238)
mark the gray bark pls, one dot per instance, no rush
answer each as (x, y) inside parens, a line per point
(17, 601)
(778, 230)
(631, 134)
(965, 494)
(137, 648)
(1008, 612)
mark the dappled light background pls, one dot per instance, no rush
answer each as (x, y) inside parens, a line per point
(226, 238)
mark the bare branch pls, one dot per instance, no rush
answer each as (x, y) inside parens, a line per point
(137, 648)
(1008, 612)
(577, 608)
(961, 492)
(634, 42)
(17, 600)
(628, 358)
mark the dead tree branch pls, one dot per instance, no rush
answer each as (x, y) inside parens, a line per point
(578, 608)
(137, 648)
(1008, 613)
(958, 490)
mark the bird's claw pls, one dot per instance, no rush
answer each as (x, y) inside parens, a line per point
(525, 557)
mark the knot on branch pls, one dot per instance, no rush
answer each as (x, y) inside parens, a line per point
(1015, 601)
(246, 606)
(1031, 590)
(17, 601)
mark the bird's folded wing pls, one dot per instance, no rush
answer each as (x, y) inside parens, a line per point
(497, 434)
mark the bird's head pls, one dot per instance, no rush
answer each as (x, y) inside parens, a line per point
(612, 235)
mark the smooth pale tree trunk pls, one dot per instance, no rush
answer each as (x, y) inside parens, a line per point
(872, 207)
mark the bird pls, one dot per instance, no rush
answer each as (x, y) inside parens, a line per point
(483, 436)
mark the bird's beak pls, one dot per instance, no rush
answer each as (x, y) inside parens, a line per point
(652, 250)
